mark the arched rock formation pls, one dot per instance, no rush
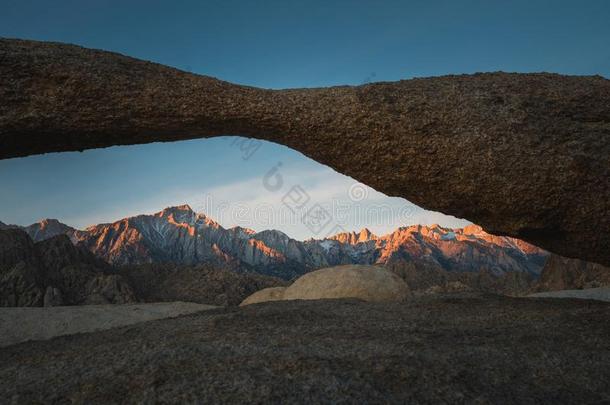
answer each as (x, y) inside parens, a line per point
(525, 155)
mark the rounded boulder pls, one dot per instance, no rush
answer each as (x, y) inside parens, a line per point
(368, 283)
(264, 295)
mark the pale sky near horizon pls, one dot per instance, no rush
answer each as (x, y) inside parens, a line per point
(277, 44)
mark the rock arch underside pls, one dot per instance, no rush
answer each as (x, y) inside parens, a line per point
(524, 155)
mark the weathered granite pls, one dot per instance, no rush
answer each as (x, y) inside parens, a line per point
(524, 155)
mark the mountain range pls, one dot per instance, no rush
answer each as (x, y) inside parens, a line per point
(179, 235)
(55, 272)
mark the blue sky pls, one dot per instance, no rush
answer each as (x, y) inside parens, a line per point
(276, 44)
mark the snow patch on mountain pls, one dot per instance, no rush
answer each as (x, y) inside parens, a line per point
(179, 235)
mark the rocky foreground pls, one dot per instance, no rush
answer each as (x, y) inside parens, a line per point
(451, 348)
(27, 324)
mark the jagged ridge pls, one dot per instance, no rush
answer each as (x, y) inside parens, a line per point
(180, 235)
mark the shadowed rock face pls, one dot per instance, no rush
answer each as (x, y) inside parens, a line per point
(561, 273)
(55, 272)
(524, 155)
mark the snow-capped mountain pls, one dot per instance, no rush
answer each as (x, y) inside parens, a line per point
(180, 235)
(47, 228)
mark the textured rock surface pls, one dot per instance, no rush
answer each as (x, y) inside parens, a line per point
(525, 155)
(46, 323)
(562, 273)
(368, 283)
(599, 294)
(427, 279)
(21, 281)
(109, 289)
(204, 284)
(16, 247)
(47, 228)
(54, 272)
(265, 295)
(21, 286)
(53, 297)
(449, 350)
